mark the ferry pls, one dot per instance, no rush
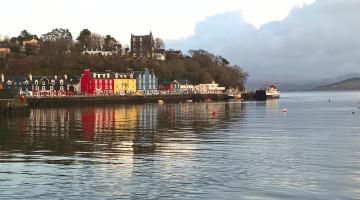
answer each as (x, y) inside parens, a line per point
(272, 92)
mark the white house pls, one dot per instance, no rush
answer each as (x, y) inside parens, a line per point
(209, 88)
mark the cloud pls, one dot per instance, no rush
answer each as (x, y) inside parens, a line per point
(320, 40)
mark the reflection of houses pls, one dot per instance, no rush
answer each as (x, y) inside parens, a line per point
(209, 88)
(124, 83)
(4, 49)
(96, 83)
(148, 117)
(142, 46)
(49, 85)
(146, 82)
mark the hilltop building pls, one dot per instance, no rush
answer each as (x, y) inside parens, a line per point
(142, 46)
(4, 49)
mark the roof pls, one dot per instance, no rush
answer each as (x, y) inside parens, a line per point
(184, 82)
(4, 46)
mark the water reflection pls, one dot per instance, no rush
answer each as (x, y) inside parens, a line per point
(133, 129)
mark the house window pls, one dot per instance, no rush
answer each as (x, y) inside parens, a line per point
(140, 39)
(51, 87)
(61, 87)
(134, 39)
(43, 83)
(43, 88)
(53, 82)
(37, 88)
(61, 82)
(36, 82)
(134, 54)
(141, 55)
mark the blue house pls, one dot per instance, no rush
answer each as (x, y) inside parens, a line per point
(20, 85)
(146, 82)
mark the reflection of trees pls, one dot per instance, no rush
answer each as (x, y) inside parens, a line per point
(122, 129)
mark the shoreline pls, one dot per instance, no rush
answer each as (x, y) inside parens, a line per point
(102, 100)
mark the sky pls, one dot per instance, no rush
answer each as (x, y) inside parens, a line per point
(167, 19)
(316, 42)
(277, 40)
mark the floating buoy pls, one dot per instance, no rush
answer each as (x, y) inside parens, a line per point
(213, 113)
(353, 113)
(285, 110)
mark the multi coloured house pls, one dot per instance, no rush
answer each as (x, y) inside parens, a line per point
(124, 83)
(93, 83)
(170, 87)
(49, 86)
(146, 82)
(19, 85)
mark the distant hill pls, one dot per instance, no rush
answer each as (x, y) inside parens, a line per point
(347, 84)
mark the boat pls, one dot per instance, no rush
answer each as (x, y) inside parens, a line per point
(272, 92)
(234, 96)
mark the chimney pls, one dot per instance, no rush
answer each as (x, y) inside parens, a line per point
(30, 77)
(2, 78)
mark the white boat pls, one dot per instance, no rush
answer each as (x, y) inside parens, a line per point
(272, 92)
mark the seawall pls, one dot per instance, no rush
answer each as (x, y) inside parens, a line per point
(101, 100)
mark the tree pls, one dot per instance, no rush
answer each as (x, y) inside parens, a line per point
(109, 42)
(57, 34)
(84, 39)
(96, 41)
(25, 34)
(159, 43)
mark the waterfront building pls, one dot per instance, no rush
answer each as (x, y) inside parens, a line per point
(93, 83)
(73, 87)
(124, 83)
(209, 88)
(49, 86)
(4, 49)
(18, 85)
(170, 87)
(142, 46)
(146, 82)
(185, 86)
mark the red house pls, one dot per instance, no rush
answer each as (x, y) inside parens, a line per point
(93, 83)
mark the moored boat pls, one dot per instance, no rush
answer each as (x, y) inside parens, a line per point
(272, 92)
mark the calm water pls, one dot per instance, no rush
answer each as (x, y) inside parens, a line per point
(227, 150)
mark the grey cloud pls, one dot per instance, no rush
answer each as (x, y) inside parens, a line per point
(317, 41)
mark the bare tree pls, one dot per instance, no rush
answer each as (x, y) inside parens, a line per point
(159, 43)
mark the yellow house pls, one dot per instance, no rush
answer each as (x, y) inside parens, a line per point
(124, 83)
